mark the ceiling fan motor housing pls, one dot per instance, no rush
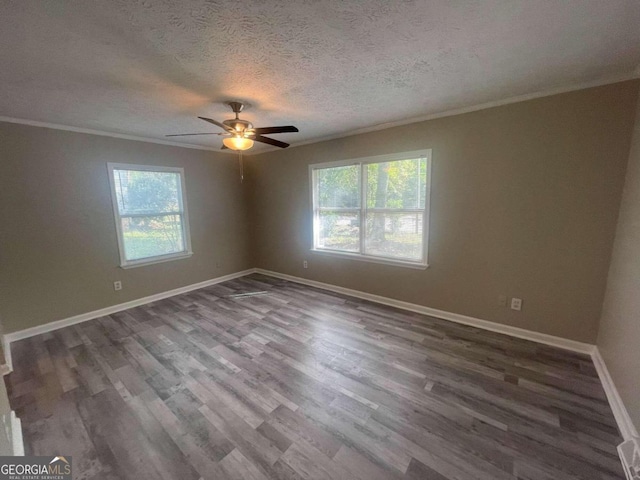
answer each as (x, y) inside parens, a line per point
(239, 134)
(238, 125)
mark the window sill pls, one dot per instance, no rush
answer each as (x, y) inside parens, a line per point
(153, 260)
(365, 258)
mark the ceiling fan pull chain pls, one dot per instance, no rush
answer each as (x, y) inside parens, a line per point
(241, 166)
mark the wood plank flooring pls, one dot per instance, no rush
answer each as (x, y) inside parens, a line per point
(301, 383)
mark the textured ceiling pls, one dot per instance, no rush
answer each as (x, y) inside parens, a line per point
(149, 67)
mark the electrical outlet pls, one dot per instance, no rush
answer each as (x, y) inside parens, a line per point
(117, 285)
(305, 264)
(502, 300)
(516, 304)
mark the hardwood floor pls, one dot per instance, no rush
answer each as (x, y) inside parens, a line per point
(297, 383)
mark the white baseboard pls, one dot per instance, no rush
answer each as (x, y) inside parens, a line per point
(622, 417)
(626, 426)
(11, 443)
(8, 338)
(544, 338)
(6, 349)
(17, 443)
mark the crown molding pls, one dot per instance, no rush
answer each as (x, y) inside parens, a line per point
(102, 133)
(474, 108)
(382, 126)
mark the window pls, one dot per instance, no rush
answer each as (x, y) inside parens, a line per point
(374, 208)
(151, 213)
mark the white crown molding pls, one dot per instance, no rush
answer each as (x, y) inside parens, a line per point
(8, 338)
(474, 108)
(102, 133)
(538, 337)
(626, 426)
(374, 128)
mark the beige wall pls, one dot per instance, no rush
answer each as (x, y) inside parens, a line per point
(619, 337)
(58, 247)
(524, 203)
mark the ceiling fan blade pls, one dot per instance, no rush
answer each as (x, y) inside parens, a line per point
(218, 124)
(189, 134)
(270, 141)
(283, 129)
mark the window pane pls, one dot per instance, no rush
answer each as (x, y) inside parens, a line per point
(151, 236)
(147, 192)
(339, 187)
(398, 184)
(394, 235)
(339, 231)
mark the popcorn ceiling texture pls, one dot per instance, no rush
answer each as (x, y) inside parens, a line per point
(149, 67)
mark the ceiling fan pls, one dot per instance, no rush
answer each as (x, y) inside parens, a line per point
(240, 134)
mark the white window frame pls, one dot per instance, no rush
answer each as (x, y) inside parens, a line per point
(187, 252)
(423, 263)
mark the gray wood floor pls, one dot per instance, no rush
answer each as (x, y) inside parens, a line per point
(303, 383)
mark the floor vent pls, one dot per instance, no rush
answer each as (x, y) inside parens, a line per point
(630, 456)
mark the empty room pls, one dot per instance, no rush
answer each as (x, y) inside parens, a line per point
(324, 239)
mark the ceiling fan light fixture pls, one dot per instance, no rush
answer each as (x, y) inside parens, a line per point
(237, 143)
(241, 134)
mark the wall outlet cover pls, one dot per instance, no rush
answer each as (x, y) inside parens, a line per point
(516, 304)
